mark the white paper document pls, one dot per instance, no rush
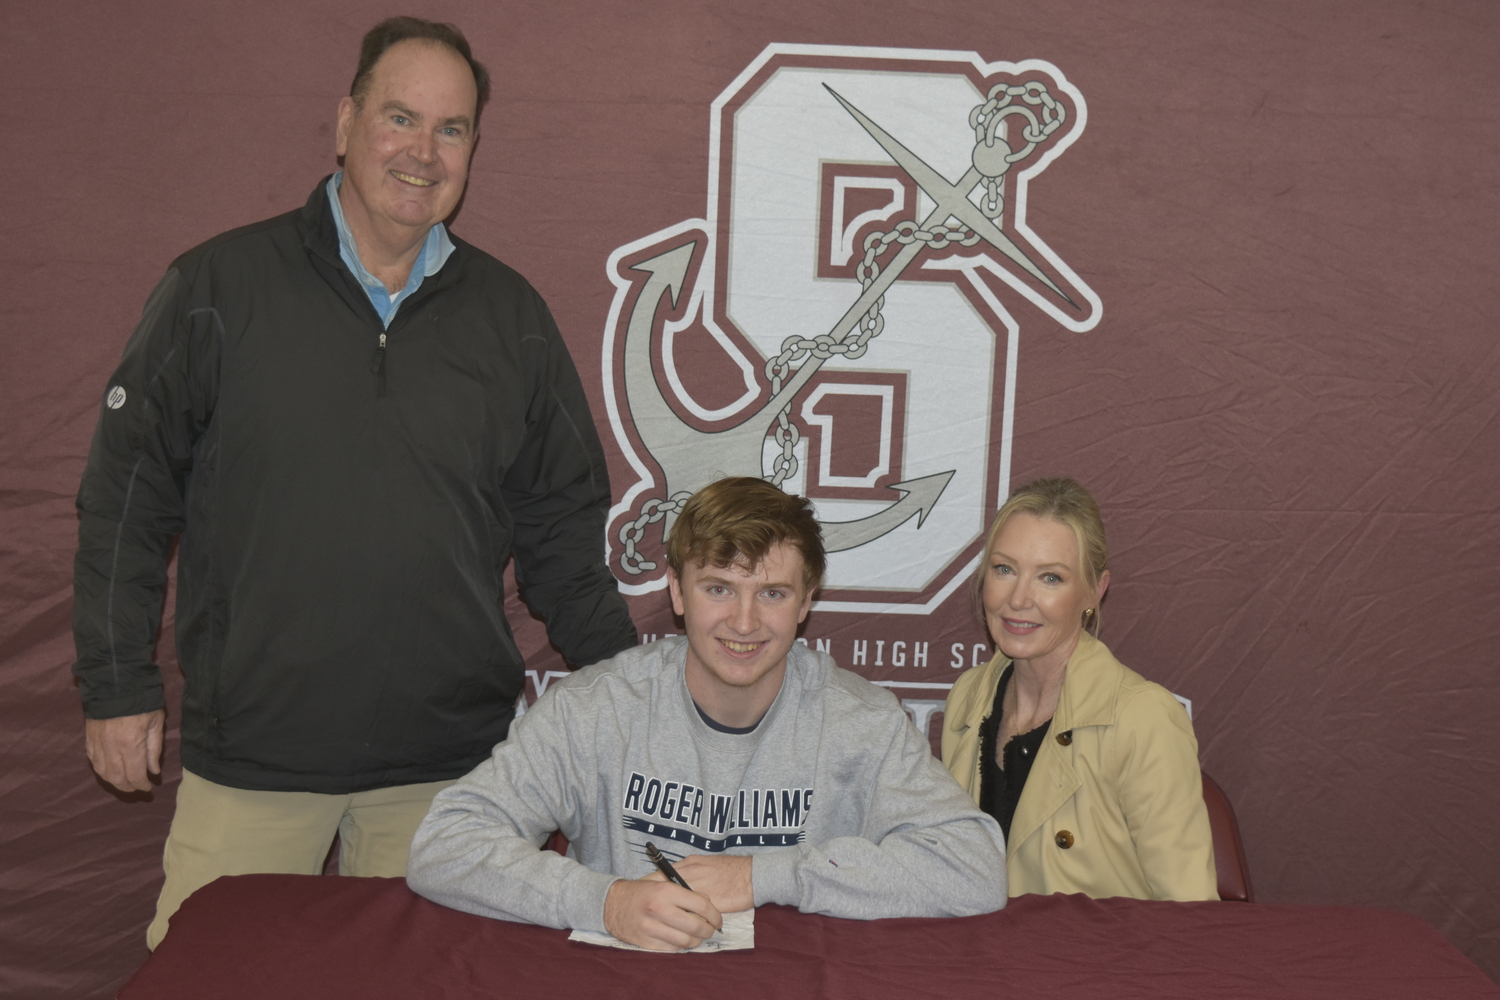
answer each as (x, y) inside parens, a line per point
(738, 933)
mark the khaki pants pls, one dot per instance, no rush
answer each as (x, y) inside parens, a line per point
(218, 830)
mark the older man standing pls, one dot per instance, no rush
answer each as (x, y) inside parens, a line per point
(351, 419)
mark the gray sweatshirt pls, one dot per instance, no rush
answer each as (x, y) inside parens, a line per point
(835, 794)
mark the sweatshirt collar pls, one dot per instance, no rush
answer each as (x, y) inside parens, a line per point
(792, 680)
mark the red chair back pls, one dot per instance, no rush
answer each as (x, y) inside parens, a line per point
(1229, 852)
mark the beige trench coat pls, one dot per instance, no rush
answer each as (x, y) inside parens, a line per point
(1114, 804)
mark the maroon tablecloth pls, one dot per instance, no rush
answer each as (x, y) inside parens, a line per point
(278, 937)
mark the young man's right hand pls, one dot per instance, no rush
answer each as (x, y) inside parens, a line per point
(659, 916)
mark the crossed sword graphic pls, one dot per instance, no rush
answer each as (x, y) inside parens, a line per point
(685, 453)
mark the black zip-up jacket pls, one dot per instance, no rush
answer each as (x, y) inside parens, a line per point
(345, 506)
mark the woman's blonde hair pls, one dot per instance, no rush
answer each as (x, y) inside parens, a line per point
(1063, 500)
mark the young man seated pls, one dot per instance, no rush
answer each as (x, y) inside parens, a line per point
(761, 769)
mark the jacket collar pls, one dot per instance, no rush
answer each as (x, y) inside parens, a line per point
(1091, 690)
(1090, 693)
(973, 703)
(320, 234)
(320, 237)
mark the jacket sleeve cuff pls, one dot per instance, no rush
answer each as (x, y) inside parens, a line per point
(138, 703)
(773, 877)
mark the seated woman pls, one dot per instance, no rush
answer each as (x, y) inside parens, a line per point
(1090, 769)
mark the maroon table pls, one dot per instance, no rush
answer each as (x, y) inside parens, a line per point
(279, 937)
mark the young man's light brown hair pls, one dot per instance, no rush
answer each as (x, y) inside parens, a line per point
(739, 520)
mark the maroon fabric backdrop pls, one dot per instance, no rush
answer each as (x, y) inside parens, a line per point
(1288, 409)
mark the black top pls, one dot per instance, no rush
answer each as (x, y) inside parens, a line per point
(345, 512)
(1000, 790)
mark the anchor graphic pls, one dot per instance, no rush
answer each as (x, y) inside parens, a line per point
(687, 456)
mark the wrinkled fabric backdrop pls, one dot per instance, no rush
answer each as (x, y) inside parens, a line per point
(1287, 405)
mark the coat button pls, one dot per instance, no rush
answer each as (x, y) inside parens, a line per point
(1064, 839)
(1065, 738)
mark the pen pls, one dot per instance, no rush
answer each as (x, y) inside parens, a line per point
(665, 867)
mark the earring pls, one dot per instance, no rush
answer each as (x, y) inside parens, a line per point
(1088, 616)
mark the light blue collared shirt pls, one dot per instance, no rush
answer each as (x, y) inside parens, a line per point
(435, 252)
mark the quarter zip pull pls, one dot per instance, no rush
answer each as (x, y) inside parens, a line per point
(378, 367)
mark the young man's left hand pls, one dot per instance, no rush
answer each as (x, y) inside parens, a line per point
(724, 879)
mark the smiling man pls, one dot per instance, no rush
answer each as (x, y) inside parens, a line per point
(762, 770)
(351, 418)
